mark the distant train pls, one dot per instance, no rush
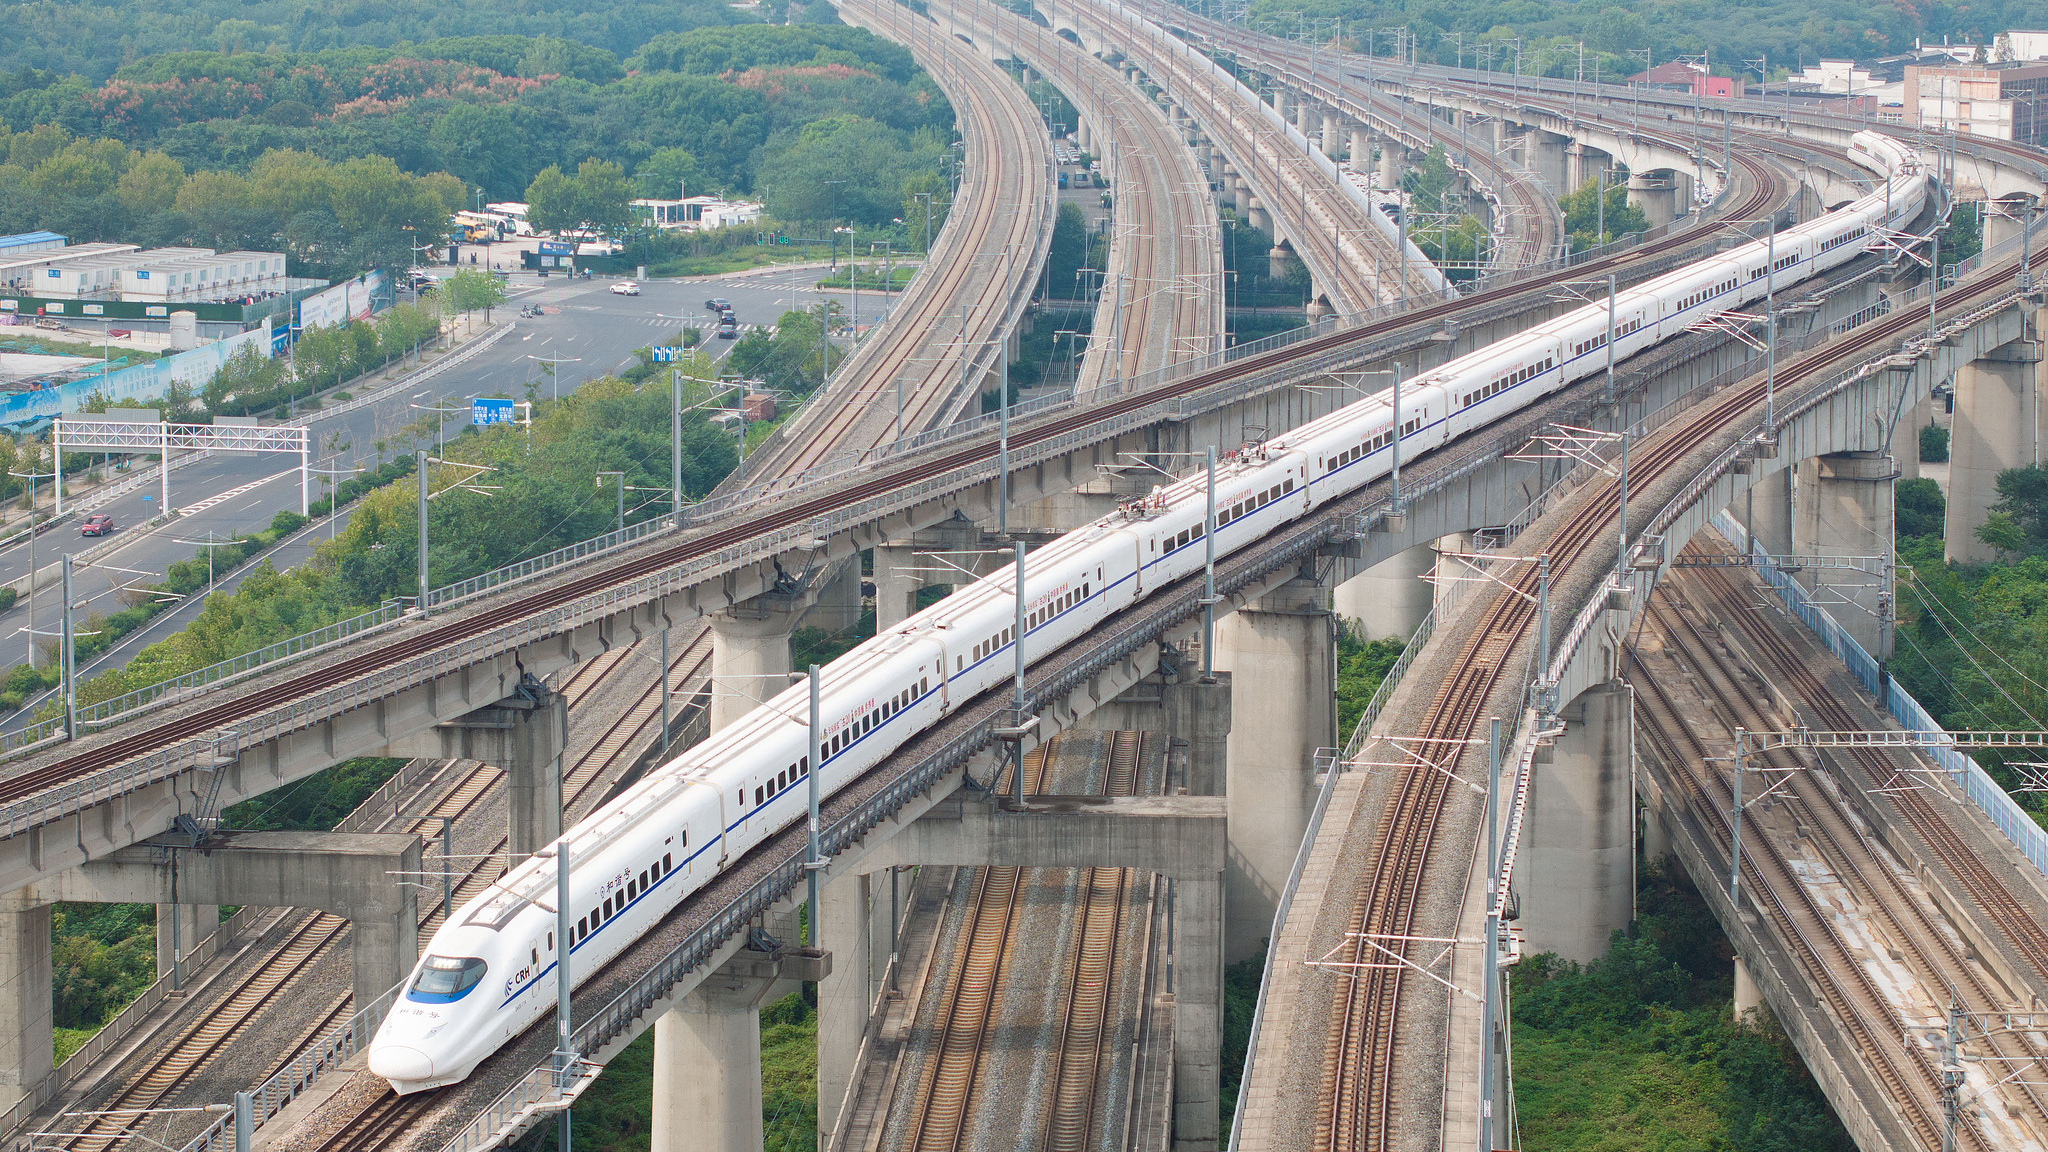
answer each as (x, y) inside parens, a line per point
(488, 974)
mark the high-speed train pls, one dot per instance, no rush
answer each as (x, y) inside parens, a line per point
(489, 972)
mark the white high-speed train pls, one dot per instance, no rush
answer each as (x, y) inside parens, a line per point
(488, 974)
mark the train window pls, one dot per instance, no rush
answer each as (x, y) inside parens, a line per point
(643, 881)
(536, 957)
(665, 865)
(759, 796)
(551, 944)
(632, 890)
(444, 979)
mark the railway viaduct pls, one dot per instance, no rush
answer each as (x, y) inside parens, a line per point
(407, 700)
(450, 684)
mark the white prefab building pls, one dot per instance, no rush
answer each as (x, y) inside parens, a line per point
(697, 212)
(203, 276)
(27, 272)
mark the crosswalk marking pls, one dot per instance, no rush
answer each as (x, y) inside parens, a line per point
(231, 493)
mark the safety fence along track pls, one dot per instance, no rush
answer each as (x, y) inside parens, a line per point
(1692, 618)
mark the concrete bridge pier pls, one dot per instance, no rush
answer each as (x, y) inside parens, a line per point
(1577, 881)
(707, 1061)
(2004, 219)
(1277, 259)
(1332, 135)
(1769, 504)
(1257, 216)
(1307, 118)
(1389, 599)
(1549, 162)
(896, 584)
(26, 1011)
(524, 734)
(1845, 509)
(1281, 653)
(1748, 998)
(194, 923)
(839, 603)
(1361, 147)
(1241, 198)
(1655, 195)
(1389, 175)
(1996, 426)
(750, 654)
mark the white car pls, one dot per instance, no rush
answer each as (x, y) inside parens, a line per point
(625, 288)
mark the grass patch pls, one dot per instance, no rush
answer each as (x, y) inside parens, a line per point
(736, 260)
(1639, 1050)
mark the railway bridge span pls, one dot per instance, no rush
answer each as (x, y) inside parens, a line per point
(1398, 1060)
(439, 700)
(1275, 616)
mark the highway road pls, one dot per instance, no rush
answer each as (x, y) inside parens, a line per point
(222, 498)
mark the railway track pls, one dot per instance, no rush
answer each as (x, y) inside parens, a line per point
(417, 640)
(948, 1111)
(1166, 242)
(961, 294)
(946, 1087)
(1105, 900)
(1938, 959)
(1830, 967)
(1355, 1097)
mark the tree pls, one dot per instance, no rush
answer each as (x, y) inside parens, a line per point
(1068, 250)
(667, 172)
(150, 185)
(1583, 216)
(2002, 533)
(472, 288)
(551, 201)
(604, 197)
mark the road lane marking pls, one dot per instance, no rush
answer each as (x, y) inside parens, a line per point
(231, 493)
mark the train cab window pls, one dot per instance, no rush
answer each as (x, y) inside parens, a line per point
(446, 979)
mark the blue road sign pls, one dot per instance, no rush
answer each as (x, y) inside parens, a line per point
(666, 355)
(490, 410)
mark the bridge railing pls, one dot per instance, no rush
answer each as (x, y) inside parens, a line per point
(1975, 783)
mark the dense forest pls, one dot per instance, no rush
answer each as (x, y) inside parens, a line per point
(345, 157)
(1616, 35)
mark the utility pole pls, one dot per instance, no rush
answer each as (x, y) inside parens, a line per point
(675, 458)
(420, 458)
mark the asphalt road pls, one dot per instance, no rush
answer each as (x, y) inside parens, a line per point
(588, 332)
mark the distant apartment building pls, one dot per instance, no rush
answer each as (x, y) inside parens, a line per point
(2003, 100)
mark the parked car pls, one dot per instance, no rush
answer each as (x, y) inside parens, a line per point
(625, 288)
(96, 525)
(717, 305)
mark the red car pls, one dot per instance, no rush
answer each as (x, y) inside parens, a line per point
(96, 526)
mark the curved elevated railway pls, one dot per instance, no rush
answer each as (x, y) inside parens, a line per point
(1356, 1094)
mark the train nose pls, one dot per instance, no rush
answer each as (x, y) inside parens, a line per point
(401, 1062)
